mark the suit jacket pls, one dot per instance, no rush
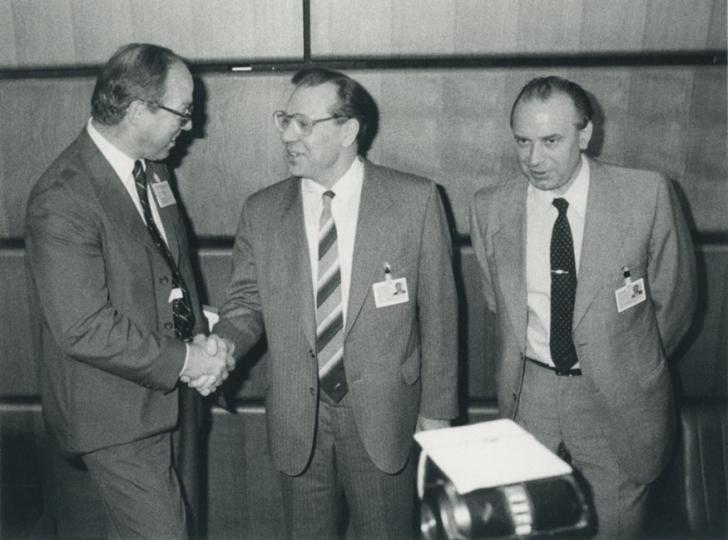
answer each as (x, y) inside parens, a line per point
(109, 360)
(633, 219)
(400, 360)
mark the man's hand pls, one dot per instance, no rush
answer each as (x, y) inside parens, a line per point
(425, 424)
(207, 364)
(215, 344)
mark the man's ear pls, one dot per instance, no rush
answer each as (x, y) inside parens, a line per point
(351, 131)
(135, 110)
(585, 135)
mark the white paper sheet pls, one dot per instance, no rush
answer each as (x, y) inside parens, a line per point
(489, 454)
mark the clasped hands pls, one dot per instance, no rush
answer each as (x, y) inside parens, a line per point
(209, 360)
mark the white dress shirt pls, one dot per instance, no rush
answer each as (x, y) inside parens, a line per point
(123, 165)
(540, 217)
(345, 211)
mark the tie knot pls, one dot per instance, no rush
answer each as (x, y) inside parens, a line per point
(561, 205)
(140, 177)
(329, 194)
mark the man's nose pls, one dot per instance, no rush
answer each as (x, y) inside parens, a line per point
(535, 155)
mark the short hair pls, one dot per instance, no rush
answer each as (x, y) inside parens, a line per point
(354, 101)
(135, 71)
(542, 88)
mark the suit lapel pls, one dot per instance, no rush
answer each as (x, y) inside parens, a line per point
(604, 230)
(370, 240)
(112, 194)
(509, 244)
(292, 243)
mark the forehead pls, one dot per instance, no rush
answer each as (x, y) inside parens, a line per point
(178, 84)
(313, 100)
(557, 111)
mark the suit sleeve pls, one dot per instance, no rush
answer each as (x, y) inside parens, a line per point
(241, 319)
(671, 269)
(438, 315)
(478, 243)
(66, 261)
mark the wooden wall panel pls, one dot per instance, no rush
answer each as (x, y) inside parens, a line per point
(17, 365)
(706, 167)
(40, 118)
(43, 32)
(8, 51)
(397, 27)
(449, 125)
(702, 369)
(717, 35)
(681, 25)
(69, 32)
(238, 150)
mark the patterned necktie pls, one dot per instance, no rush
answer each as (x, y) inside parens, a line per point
(563, 290)
(184, 319)
(329, 308)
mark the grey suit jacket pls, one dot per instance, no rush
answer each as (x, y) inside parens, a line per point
(632, 219)
(400, 361)
(99, 291)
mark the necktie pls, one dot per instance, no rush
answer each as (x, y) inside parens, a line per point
(329, 308)
(182, 314)
(563, 290)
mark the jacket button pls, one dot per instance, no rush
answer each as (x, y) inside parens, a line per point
(164, 280)
(312, 390)
(514, 396)
(168, 325)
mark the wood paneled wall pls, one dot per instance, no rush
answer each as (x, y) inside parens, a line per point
(42, 33)
(417, 27)
(448, 124)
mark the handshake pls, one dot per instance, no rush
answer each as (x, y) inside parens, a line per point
(209, 360)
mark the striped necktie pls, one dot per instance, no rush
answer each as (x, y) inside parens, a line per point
(329, 308)
(182, 314)
(563, 290)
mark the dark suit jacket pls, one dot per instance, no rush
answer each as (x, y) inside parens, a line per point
(400, 361)
(109, 361)
(633, 219)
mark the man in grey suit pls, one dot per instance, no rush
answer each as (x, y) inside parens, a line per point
(589, 269)
(115, 298)
(356, 363)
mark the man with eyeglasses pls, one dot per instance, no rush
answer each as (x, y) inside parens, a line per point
(353, 368)
(115, 297)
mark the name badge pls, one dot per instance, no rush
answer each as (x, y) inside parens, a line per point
(390, 292)
(163, 193)
(175, 294)
(630, 295)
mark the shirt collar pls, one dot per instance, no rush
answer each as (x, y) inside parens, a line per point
(122, 164)
(576, 194)
(344, 188)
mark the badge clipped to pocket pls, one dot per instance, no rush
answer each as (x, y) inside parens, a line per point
(631, 294)
(162, 192)
(175, 294)
(390, 292)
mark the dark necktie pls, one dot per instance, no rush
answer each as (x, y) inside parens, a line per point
(182, 314)
(563, 290)
(329, 308)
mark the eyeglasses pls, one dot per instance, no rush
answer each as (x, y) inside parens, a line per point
(185, 116)
(302, 124)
